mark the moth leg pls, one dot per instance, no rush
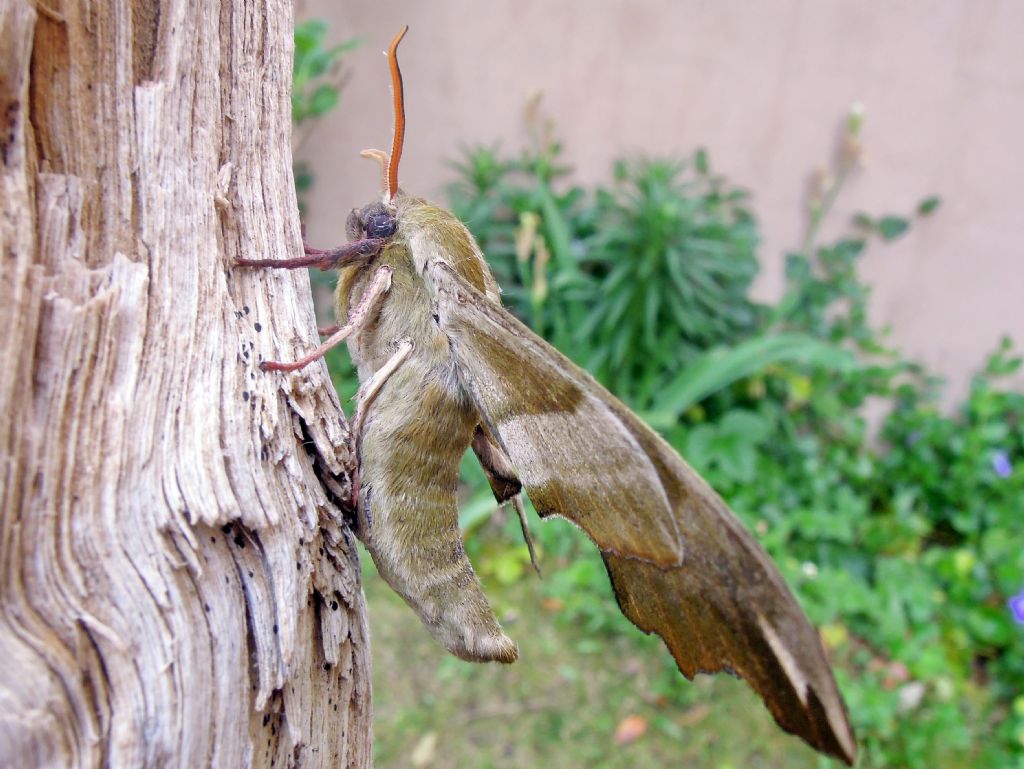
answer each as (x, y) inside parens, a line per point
(504, 482)
(368, 302)
(325, 259)
(369, 390)
(364, 398)
(517, 503)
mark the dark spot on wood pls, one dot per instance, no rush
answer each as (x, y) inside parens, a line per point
(226, 528)
(275, 628)
(266, 719)
(206, 606)
(258, 327)
(245, 309)
(327, 666)
(240, 541)
(245, 395)
(334, 605)
(10, 129)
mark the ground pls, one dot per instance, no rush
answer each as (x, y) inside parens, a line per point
(560, 705)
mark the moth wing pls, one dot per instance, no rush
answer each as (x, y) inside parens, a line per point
(681, 564)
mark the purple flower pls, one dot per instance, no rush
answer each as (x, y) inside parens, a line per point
(1001, 464)
(1016, 605)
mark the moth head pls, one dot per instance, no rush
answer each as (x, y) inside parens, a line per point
(376, 220)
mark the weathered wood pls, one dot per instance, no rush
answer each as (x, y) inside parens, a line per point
(177, 586)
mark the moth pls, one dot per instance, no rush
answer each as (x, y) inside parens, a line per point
(443, 366)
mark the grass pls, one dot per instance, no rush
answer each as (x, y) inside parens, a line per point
(560, 704)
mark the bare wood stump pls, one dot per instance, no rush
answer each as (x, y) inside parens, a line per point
(177, 585)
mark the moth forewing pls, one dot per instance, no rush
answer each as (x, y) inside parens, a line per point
(680, 562)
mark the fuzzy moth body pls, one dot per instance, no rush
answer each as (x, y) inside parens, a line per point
(420, 424)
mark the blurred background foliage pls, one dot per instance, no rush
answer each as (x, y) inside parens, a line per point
(317, 81)
(901, 535)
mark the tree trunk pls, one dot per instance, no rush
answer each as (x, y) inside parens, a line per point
(178, 585)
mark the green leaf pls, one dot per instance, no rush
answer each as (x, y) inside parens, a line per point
(325, 98)
(864, 221)
(722, 366)
(891, 227)
(700, 161)
(752, 427)
(308, 35)
(927, 206)
(476, 510)
(698, 445)
(556, 228)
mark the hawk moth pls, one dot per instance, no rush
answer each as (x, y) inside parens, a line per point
(443, 367)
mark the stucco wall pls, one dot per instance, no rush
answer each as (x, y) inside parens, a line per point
(763, 86)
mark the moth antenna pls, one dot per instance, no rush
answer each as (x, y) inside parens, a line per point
(399, 96)
(382, 158)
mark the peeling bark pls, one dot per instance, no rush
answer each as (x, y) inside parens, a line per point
(177, 585)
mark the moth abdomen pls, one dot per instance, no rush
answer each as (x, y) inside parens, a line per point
(420, 426)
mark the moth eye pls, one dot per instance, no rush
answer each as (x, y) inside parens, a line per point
(380, 225)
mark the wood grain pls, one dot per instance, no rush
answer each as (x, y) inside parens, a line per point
(177, 586)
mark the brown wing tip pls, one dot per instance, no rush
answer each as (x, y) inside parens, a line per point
(803, 696)
(829, 737)
(784, 663)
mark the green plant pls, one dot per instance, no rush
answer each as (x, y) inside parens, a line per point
(316, 84)
(904, 544)
(530, 232)
(316, 88)
(655, 267)
(673, 258)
